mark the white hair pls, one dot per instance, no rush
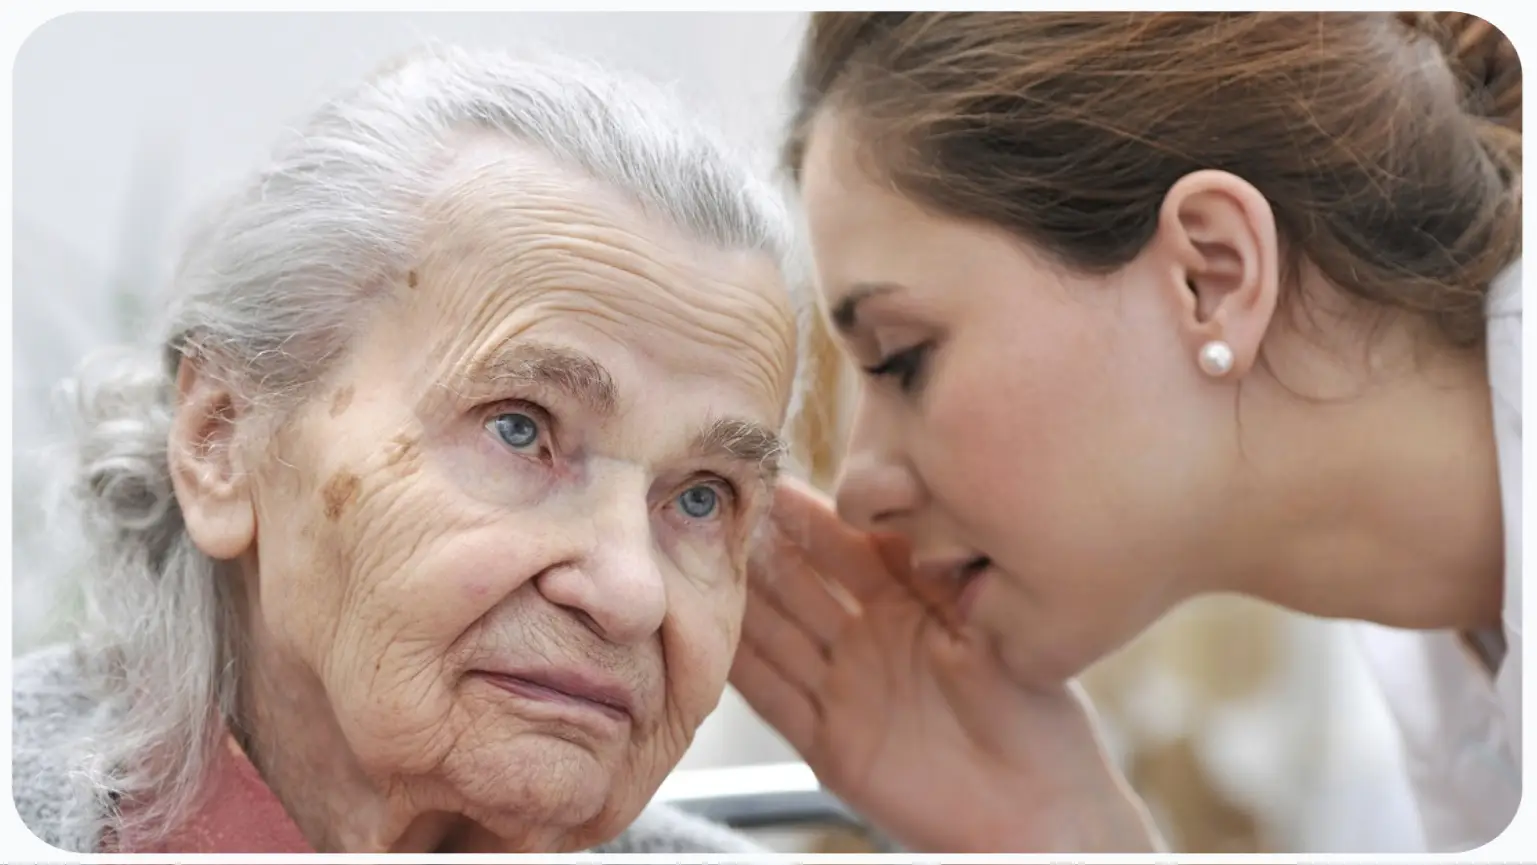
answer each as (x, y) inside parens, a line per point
(273, 283)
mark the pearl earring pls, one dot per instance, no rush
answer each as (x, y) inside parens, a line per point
(1215, 358)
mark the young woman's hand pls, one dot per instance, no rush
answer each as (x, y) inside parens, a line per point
(904, 714)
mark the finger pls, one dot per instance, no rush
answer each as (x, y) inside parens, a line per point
(797, 507)
(776, 637)
(806, 519)
(970, 685)
(820, 607)
(939, 596)
(775, 698)
(855, 566)
(861, 564)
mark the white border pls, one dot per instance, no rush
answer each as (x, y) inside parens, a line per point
(21, 20)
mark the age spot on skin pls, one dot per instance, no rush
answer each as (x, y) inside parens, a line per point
(339, 492)
(341, 400)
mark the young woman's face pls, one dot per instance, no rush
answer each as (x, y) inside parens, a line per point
(1043, 436)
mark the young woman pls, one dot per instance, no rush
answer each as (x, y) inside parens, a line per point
(1148, 306)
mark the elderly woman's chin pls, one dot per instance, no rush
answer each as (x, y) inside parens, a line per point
(527, 791)
(459, 759)
(535, 784)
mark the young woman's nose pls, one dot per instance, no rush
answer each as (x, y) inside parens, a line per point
(876, 490)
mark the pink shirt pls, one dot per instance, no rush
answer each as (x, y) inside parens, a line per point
(239, 813)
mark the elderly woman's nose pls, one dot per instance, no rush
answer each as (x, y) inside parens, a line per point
(876, 488)
(618, 586)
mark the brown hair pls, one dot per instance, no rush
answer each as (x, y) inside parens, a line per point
(1387, 145)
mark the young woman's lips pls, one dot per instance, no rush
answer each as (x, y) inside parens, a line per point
(959, 579)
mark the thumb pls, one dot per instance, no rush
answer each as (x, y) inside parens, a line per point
(971, 681)
(999, 714)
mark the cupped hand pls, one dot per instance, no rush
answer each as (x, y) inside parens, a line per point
(904, 713)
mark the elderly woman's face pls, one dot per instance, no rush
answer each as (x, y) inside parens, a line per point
(509, 538)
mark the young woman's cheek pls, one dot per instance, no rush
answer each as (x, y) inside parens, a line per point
(964, 435)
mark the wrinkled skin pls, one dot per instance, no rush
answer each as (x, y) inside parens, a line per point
(433, 514)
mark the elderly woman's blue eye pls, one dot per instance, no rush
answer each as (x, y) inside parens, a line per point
(517, 429)
(699, 502)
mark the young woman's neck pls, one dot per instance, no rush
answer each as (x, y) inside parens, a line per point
(1382, 505)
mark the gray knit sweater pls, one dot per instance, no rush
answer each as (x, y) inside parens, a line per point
(52, 715)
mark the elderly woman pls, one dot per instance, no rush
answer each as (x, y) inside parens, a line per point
(424, 527)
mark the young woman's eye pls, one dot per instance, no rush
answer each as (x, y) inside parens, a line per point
(519, 430)
(700, 502)
(906, 366)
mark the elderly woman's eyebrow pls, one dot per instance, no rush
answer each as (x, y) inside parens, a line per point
(543, 365)
(742, 441)
(584, 379)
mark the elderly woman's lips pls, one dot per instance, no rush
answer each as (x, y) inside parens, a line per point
(566, 687)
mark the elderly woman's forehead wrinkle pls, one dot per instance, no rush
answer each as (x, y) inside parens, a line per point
(577, 248)
(673, 334)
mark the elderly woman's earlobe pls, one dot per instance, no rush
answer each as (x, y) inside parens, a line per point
(212, 488)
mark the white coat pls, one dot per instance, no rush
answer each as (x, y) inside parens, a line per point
(1460, 725)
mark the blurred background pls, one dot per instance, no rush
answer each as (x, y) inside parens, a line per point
(1247, 729)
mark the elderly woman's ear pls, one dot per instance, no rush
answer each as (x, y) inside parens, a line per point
(212, 487)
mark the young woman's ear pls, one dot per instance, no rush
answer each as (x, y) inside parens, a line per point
(1224, 265)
